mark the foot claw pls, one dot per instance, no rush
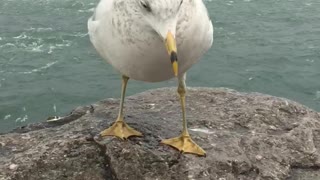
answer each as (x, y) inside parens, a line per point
(184, 144)
(121, 130)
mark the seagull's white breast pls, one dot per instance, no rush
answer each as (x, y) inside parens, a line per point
(140, 54)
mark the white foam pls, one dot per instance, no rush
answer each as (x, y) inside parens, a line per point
(21, 36)
(7, 116)
(8, 45)
(230, 3)
(44, 29)
(81, 34)
(25, 118)
(39, 29)
(34, 47)
(48, 65)
(18, 119)
(51, 48)
(65, 43)
(22, 119)
(86, 10)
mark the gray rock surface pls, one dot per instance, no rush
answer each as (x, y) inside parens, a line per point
(247, 136)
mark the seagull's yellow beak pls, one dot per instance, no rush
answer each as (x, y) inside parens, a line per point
(172, 51)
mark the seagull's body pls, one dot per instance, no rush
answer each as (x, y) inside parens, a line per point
(136, 50)
(139, 38)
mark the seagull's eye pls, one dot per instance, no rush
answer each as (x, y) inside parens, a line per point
(146, 6)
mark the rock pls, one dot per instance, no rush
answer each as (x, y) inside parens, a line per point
(247, 136)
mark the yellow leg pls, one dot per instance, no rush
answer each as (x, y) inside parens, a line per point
(119, 127)
(184, 142)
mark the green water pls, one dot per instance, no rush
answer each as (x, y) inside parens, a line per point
(48, 66)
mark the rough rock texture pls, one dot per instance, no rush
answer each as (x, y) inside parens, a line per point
(246, 136)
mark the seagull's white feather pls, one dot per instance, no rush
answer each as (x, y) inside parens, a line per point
(119, 32)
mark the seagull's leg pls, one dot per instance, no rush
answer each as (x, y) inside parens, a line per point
(119, 127)
(184, 142)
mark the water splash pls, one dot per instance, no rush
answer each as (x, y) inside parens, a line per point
(54, 108)
(6, 117)
(22, 119)
(21, 36)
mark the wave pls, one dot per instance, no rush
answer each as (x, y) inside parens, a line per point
(48, 65)
(46, 29)
(24, 42)
(22, 119)
(21, 36)
(35, 47)
(86, 10)
(6, 117)
(80, 35)
(51, 48)
(8, 45)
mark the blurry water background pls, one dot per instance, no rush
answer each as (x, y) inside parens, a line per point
(48, 66)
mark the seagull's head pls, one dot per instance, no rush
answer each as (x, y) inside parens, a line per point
(161, 17)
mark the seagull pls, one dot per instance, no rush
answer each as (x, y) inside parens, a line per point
(143, 40)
